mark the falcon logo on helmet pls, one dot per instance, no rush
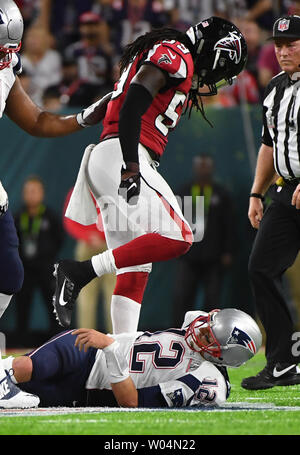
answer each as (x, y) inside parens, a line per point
(237, 336)
(219, 53)
(231, 44)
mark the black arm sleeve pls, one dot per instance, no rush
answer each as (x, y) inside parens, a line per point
(137, 101)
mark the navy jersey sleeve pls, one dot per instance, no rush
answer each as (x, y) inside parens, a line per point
(206, 386)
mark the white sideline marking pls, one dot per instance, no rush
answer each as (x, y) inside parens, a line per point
(227, 407)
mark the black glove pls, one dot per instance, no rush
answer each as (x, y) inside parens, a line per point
(130, 187)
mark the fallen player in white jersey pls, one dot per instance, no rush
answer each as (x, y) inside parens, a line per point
(169, 368)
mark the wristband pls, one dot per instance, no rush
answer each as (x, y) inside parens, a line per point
(116, 363)
(258, 196)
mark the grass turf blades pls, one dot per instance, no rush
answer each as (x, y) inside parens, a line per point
(274, 411)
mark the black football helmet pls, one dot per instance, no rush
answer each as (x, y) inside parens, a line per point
(220, 53)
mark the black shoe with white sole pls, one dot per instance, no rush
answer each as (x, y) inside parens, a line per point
(71, 276)
(282, 374)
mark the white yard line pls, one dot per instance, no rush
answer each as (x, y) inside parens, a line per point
(228, 407)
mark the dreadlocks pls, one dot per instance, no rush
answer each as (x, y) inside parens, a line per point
(147, 41)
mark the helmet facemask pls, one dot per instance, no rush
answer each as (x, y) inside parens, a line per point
(193, 338)
(11, 31)
(7, 58)
(234, 337)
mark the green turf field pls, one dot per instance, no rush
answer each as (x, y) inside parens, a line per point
(272, 412)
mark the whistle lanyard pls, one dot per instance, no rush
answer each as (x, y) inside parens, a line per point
(35, 227)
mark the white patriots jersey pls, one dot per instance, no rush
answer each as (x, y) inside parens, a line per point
(164, 359)
(7, 80)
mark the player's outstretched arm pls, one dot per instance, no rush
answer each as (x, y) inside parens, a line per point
(32, 119)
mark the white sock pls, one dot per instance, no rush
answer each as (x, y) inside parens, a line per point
(104, 263)
(125, 314)
(4, 302)
(7, 365)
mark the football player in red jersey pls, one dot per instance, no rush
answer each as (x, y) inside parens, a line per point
(163, 74)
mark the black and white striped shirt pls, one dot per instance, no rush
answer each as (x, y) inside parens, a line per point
(281, 124)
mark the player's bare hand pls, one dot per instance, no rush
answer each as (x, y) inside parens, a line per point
(90, 338)
(255, 212)
(296, 197)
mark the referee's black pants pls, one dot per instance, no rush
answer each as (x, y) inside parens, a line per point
(274, 250)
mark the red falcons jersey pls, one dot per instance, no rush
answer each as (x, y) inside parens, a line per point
(175, 60)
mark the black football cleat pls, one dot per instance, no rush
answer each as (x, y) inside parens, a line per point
(65, 295)
(71, 276)
(282, 374)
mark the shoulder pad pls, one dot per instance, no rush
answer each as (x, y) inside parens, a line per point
(172, 57)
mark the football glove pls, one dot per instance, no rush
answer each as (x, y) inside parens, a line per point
(3, 200)
(130, 187)
(95, 113)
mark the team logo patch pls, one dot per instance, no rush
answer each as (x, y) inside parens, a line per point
(283, 25)
(176, 397)
(165, 59)
(237, 336)
(231, 44)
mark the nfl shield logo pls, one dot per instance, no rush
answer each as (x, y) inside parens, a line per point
(283, 25)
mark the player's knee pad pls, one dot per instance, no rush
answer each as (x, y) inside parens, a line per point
(132, 285)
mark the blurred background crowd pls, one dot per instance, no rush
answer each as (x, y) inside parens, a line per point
(70, 54)
(71, 48)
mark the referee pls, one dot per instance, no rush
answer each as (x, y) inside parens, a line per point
(277, 242)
